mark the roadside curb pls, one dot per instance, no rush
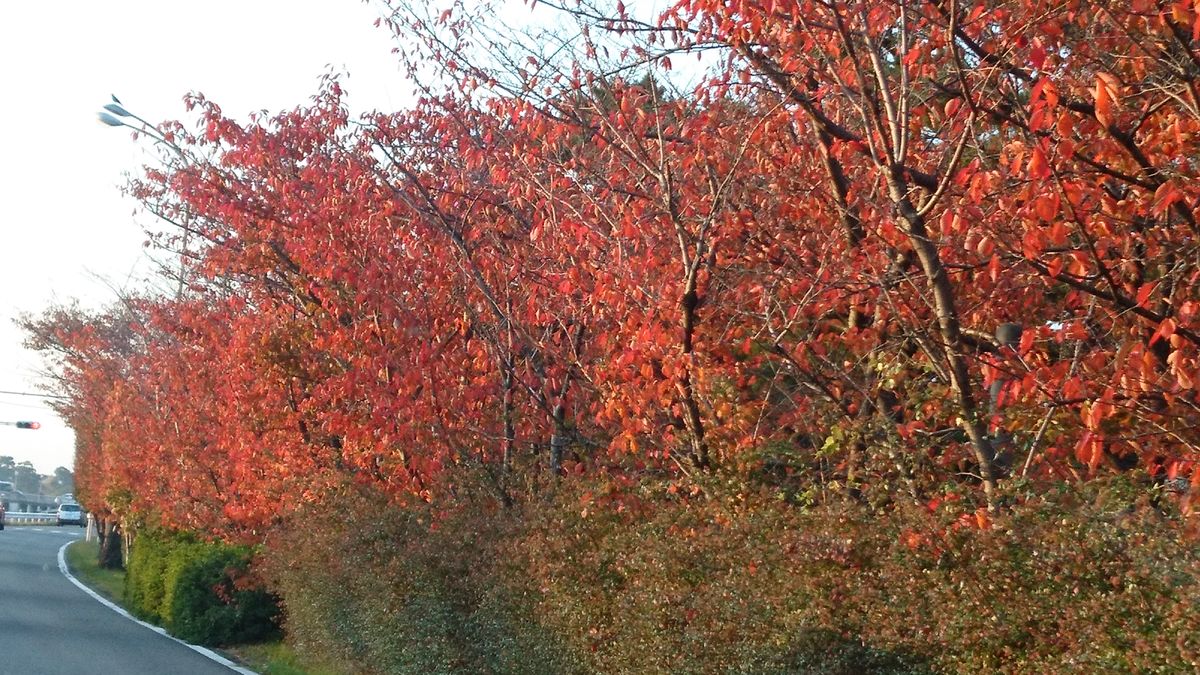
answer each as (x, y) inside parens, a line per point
(203, 651)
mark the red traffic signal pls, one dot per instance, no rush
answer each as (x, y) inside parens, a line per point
(29, 425)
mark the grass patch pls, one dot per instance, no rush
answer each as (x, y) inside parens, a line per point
(83, 560)
(278, 658)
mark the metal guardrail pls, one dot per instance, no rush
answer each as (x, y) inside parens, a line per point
(25, 518)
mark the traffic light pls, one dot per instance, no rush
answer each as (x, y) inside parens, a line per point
(29, 425)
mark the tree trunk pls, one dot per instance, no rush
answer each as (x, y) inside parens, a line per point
(558, 444)
(691, 409)
(110, 545)
(950, 332)
(510, 433)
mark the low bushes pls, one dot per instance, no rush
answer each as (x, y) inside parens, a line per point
(617, 580)
(200, 591)
(378, 594)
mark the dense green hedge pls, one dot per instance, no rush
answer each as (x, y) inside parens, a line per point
(200, 591)
(1095, 580)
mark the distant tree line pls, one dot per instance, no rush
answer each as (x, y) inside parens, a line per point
(25, 478)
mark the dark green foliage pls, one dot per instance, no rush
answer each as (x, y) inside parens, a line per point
(200, 591)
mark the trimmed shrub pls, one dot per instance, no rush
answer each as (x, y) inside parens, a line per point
(201, 592)
(208, 600)
(1094, 579)
(394, 600)
(144, 575)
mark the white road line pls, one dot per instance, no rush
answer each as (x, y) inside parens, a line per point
(204, 651)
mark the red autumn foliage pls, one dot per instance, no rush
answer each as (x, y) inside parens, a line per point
(800, 270)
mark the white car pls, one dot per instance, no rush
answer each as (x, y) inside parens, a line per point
(71, 514)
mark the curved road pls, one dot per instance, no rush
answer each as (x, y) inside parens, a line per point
(48, 626)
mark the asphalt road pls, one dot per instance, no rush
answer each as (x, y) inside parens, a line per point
(48, 626)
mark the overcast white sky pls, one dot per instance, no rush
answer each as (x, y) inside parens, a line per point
(62, 218)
